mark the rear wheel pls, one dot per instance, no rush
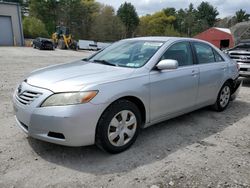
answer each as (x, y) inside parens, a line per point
(61, 44)
(223, 98)
(73, 46)
(118, 127)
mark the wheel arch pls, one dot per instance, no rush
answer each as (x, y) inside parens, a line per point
(230, 81)
(138, 102)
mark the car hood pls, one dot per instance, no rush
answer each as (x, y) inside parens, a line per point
(76, 76)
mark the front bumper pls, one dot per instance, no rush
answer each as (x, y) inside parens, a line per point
(72, 125)
(236, 88)
(244, 69)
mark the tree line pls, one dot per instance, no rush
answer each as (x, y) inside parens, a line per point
(89, 19)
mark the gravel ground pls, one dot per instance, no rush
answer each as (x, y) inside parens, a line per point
(200, 149)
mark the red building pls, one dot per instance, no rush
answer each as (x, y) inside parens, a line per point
(220, 37)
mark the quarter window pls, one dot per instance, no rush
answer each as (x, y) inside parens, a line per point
(180, 52)
(218, 57)
(204, 53)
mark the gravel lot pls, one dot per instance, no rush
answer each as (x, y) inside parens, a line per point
(200, 149)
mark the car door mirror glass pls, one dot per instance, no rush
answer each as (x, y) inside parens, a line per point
(167, 64)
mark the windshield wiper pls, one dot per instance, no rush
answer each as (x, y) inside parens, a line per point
(85, 59)
(104, 62)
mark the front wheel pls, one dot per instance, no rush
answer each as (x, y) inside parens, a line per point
(61, 44)
(118, 127)
(223, 98)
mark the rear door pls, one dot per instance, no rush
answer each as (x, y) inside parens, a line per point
(212, 68)
(173, 91)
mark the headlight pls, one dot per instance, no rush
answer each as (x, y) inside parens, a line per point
(62, 99)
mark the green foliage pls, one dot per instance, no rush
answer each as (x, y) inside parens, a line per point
(191, 21)
(78, 15)
(46, 11)
(88, 19)
(107, 26)
(157, 24)
(33, 27)
(170, 11)
(90, 9)
(241, 16)
(129, 17)
(207, 12)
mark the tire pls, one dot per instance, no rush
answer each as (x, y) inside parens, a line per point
(109, 135)
(34, 46)
(61, 44)
(223, 97)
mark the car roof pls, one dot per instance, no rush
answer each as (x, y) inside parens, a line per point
(165, 39)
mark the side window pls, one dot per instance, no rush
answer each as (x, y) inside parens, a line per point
(180, 52)
(218, 57)
(204, 53)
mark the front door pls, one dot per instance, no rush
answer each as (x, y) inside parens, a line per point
(173, 91)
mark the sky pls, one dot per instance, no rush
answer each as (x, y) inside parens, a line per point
(143, 7)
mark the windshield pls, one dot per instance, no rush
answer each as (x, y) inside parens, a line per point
(132, 54)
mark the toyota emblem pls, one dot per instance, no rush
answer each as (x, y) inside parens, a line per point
(244, 57)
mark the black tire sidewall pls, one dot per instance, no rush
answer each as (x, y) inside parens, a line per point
(103, 125)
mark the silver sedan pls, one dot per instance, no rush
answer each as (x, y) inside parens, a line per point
(134, 83)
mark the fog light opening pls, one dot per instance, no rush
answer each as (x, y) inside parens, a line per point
(56, 135)
(24, 126)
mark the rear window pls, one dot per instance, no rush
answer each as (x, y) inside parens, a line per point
(204, 53)
(218, 57)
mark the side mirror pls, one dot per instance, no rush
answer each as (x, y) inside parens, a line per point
(167, 64)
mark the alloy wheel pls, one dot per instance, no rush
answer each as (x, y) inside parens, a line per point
(224, 96)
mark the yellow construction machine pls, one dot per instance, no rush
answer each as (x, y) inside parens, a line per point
(63, 39)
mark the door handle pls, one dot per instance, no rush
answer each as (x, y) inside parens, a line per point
(224, 68)
(194, 72)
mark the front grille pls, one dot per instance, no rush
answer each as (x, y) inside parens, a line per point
(240, 54)
(27, 97)
(240, 57)
(244, 69)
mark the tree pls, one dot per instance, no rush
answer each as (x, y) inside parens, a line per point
(46, 11)
(107, 27)
(90, 10)
(190, 19)
(241, 16)
(78, 15)
(129, 17)
(69, 13)
(180, 21)
(170, 11)
(33, 27)
(157, 24)
(207, 12)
